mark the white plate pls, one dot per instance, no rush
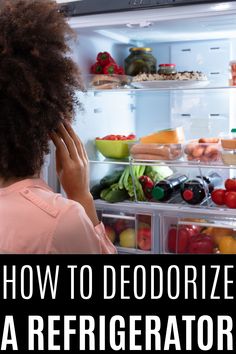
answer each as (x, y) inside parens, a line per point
(170, 84)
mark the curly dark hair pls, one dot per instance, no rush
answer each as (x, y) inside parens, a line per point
(38, 82)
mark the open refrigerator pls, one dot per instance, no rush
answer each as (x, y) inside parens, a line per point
(199, 37)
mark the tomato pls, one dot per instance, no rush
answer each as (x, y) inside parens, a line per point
(230, 199)
(201, 244)
(218, 196)
(230, 184)
(117, 137)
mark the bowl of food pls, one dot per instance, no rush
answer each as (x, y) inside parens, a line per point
(114, 146)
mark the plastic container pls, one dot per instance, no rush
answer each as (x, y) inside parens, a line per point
(107, 82)
(233, 73)
(196, 190)
(165, 189)
(155, 152)
(202, 152)
(229, 157)
(139, 61)
(167, 69)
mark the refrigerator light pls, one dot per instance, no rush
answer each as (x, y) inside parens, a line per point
(221, 7)
(144, 24)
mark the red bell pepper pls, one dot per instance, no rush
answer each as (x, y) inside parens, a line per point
(201, 244)
(120, 70)
(104, 58)
(110, 69)
(147, 186)
(96, 68)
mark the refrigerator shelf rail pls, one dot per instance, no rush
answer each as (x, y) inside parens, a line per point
(136, 91)
(213, 211)
(183, 164)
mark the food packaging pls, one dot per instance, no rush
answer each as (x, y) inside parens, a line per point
(155, 152)
(202, 152)
(229, 157)
(228, 143)
(233, 73)
(108, 82)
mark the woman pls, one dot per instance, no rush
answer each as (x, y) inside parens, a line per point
(37, 97)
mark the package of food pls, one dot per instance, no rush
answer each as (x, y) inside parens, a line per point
(229, 157)
(204, 150)
(156, 152)
(107, 82)
(167, 136)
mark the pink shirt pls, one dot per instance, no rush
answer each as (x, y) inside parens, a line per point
(34, 219)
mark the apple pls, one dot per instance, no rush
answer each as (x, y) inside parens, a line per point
(110, 233)
(128, 238)
(146, 219)
(120, 225)
(144, 238)
(142, 225)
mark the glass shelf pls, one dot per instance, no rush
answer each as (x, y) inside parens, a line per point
(134, 91)
(186, 164)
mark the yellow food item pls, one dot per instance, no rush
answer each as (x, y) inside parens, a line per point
(227, 245)
(168, 136)
(218, 233)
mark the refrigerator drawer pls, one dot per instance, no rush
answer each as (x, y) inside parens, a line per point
(130, 232)
(199, 235)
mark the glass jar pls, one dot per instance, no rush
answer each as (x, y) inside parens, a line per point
(167, 69)
(139, 61)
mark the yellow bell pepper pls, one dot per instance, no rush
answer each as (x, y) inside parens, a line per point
(227, 245)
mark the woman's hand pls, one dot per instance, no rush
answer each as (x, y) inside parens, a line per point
(73, 168)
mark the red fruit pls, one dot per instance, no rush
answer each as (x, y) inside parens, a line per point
(171, 242)
(110, 233)
(104, 58)
(146, 219)
(183, 240)
(144, 239)
(230, 199)
(193, 230)
(96, 69)
(218, 196)
(230, 184)
(110, 69)
(200, 244)
(120, 225)
(120, 70)
(131, 137)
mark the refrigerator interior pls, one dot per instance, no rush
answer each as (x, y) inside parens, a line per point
(192, 38)
(204, 44)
